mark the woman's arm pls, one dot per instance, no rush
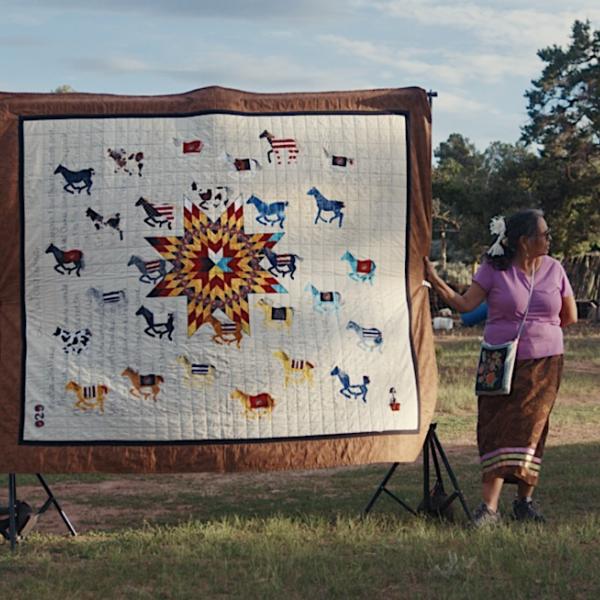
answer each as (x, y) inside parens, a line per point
(568, 311)
(470, 300)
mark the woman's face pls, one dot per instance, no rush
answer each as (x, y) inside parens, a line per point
(539, 243)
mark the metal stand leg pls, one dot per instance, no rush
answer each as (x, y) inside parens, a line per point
(432, 449)
(13, 533)
(382, 488)
(457, 493)
(12, 510)
(52, 500)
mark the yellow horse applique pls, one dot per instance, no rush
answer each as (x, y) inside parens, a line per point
(89, 397)
(276, 316)
(259, 405)
(294, 370)
(197, 374)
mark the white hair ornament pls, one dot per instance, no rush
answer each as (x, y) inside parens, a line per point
(497, 228)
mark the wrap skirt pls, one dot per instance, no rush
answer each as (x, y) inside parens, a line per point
(512, 429)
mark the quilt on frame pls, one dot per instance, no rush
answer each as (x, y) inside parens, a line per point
(229, 286)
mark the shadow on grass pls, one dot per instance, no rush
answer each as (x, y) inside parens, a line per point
(569, 486)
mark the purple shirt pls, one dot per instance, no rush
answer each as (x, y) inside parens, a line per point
(507, 294)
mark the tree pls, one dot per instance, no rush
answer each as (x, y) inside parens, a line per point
(458, 183)
(472, 187)
(564, 122)
(63, 89)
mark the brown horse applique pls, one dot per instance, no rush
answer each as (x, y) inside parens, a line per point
(226, 333)
(143, 386)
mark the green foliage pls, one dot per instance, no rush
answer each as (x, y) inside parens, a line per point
(564, 121)
(474, 186)
(555, 166)
(63, 89)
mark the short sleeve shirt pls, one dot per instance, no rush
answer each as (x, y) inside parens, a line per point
(507, 295)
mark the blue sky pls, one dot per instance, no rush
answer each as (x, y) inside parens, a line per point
(479, 55)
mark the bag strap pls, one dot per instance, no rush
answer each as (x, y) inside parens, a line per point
(528, 303)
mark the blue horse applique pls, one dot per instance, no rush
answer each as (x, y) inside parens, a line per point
(360, 270)
(281, 264)
(326, 205)
(268, 214)
(348, 389)
(324, 301)
(369, 337)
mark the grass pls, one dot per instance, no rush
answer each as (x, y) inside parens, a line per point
(240, 544)
(456, 356)
(299, 534)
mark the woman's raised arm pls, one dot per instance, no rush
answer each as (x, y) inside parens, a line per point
(466, 302)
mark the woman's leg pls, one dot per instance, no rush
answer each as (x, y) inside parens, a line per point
(491, 492)
(525, 490)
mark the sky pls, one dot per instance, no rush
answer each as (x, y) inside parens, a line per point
(480, 56)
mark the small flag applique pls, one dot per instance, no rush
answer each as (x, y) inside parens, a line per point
(193, 146)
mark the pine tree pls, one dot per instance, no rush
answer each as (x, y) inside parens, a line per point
(564, 123)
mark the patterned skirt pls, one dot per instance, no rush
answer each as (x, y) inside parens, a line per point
(512, 430)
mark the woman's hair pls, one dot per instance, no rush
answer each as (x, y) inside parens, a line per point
(525, 223)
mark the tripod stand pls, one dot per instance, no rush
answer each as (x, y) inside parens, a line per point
(12, 510)
(435, 501)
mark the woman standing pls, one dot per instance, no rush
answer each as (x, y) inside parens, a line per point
(512, 429)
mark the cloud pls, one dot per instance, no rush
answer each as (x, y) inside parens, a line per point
(221, 67)
(451, 67)
(536, 26)
(246, 10)
(450, 103)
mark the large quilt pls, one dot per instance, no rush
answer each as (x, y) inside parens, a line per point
(214, 281)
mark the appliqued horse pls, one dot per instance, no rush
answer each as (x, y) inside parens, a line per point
(66, 257)
(268, 213)
(122, 160)
(338, 162)
(360, 270)
(107, 298)
(143, 386)
(276, 316)
(156, 329)
(226, 333)
(157, 214)
(151, 270)
(348, 389)
(84, 177)
(73, 342)
(295, 370)
(98, 221)
(324, 301)
(216, 196)
(89, 397)
(197, 374)
(241, 165)
(258, 405)
(280, 147)
(281, 264)
(326, 205)
(369, 337)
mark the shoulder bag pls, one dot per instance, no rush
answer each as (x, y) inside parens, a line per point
(497, 362)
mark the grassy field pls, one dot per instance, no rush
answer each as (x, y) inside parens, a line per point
(299, 534)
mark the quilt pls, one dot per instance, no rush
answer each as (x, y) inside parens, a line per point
(214, 281)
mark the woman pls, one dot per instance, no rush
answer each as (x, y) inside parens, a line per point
(512, 429)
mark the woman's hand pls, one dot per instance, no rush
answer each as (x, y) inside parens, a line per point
(430, 272)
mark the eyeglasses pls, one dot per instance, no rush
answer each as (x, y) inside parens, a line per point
(546, 234)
